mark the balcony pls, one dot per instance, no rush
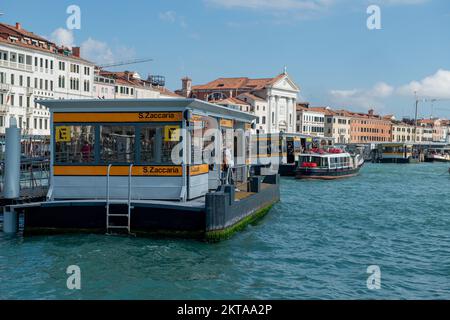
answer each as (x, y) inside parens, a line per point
(4, 109)
(16, 65)
(4, 87)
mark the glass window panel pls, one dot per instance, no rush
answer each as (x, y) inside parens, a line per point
(117, 144)
(74, 144)
(157, 143)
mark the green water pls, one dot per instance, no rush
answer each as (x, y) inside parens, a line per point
(315, 244)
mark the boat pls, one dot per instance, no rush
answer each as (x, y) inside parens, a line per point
(438, 155)
(279, 153)
(328, 164)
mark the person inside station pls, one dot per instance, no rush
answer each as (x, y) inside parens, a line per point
(86, 151)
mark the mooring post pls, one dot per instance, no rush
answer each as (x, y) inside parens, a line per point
(10, 221)
(11, 175)
(12, 161)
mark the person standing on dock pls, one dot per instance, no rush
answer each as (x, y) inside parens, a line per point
(228, 165)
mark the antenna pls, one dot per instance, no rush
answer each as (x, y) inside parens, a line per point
(125, 63)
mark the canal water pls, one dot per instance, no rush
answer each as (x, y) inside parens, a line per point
(315, 244)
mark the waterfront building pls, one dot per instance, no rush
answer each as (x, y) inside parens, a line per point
(402, 132)
(128, 85)
(369, 128)
(32, 69)
(337, 125)
(435, 127)
(273, 100)
(310, 120)
(236, 104)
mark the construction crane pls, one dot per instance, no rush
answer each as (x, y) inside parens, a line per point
(124, 63)
(431, 100)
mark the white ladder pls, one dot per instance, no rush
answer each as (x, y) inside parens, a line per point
(110, 227)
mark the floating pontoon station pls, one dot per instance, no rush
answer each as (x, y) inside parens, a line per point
(138, 166)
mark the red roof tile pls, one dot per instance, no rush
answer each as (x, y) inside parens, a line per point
(243, 83)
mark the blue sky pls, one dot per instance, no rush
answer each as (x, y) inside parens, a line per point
(325, 44)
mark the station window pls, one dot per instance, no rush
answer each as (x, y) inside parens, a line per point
(117, 144)
(74, 144)
(157, 143)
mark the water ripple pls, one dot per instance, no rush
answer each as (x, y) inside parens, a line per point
(315, 244)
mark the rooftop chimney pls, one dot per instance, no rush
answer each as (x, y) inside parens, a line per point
(18, 26)
(76, 51)
(371, 111)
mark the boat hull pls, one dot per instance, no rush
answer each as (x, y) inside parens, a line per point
(320, 174)
(437, 160)
(398, 160)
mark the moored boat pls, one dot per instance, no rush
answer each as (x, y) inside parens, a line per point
(438, 155)
(328, 165)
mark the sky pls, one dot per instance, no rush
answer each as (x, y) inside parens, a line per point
(326, 45)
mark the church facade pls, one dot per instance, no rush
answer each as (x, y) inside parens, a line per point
(272, 100)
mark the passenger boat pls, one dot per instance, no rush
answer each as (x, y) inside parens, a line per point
(279, 153)
(438, 155)
(328, 164)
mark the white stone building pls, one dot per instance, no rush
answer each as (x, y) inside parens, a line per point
(310, 121)
(33, 69)
(337, 125)
(127, 85)
(273, 100)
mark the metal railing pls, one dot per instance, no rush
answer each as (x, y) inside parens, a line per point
(34, 165)
(34, 174)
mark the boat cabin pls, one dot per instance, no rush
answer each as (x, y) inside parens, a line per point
(328, 161)
(281, 151)
(157, 149)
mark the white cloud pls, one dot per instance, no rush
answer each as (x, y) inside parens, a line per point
(63, 37)
(168, 16)
(275, 7)
(362, 98)
(272, 5)
(101, 53)
(172, 17)
(97, 51)
(435, 86)
(399, 2)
